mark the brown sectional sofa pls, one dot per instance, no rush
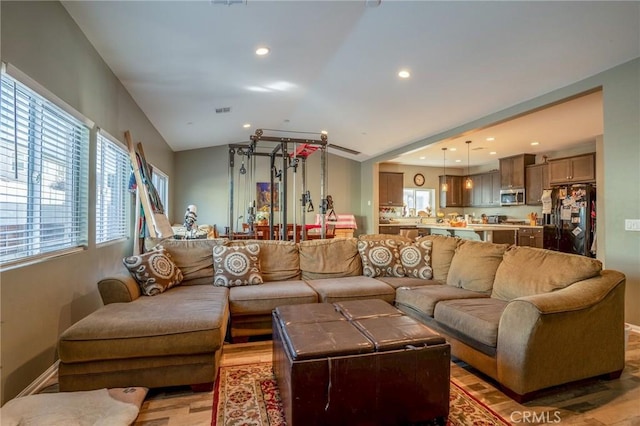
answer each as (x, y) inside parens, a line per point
(528, 318)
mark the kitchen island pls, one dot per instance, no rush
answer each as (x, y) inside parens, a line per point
(480, 232)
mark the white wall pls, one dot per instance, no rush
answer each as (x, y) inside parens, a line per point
(40, 301)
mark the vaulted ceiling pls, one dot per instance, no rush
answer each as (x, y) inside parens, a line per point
(333, 65)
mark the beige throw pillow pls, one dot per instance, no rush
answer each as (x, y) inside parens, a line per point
(236, 265)
(416, 259)
(154, 271)
(474, 265)
(381, 258)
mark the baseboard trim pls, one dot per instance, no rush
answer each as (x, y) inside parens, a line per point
(39, 383)
(634, 328)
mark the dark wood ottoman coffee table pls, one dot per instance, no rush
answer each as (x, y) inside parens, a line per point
(359, 363)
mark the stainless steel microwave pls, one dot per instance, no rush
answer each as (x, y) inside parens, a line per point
(512, 197)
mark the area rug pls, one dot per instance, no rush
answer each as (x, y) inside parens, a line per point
(102, 407)
(248, 395)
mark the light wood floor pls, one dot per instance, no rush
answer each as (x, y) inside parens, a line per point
(596, 402)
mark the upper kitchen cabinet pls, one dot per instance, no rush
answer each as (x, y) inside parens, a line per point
(453, 196)
(391, 186)
(512, 170)
(536, 179)
(485, 191)
(578, 169)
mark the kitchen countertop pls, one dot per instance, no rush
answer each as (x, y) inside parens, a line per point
(478, 227)
(475, 226)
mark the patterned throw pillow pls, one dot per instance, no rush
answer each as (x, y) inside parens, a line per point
(380, 258)
(416, 259)
(154, 271)
(236, 265)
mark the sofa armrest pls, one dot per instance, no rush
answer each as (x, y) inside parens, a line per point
(118, 289)
(580, 295)
(573, 333)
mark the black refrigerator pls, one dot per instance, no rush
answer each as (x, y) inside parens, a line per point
(571, 225)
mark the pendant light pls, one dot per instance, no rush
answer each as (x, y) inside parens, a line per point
(468, 183)
(444, 187)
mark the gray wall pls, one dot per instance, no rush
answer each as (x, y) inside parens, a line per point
(41, 300)
(202, 178)
(617, 184)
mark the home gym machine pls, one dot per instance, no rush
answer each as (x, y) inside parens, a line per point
(281, 159)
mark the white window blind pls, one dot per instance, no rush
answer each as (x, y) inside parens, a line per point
(112, 195)
(43, 175)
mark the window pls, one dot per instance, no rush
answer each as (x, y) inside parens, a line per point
(418, 199)
(112, 194)
(43, 174)
(160, 182)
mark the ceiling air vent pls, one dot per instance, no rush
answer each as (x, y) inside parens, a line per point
(223, 110)
(227, 2)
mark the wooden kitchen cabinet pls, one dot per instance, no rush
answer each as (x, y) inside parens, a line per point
(391, 186)
(577, 169)
(493, 184)
(452, 197)
(530, 237)
(485, 191)
(471, 197)
(392, 230)
(512, 170)
(536, 179)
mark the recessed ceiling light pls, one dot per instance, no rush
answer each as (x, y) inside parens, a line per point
(422, 158)
(458, 161)
(261, 51)
(404, 74)
(246, 125)
(492, 153)
(453, 149)
(491, 138)
(534, 143)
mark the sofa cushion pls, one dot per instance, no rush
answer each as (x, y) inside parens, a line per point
(262, 299)
(154, 271)
(236, 265)
(331, 258)
(184, 320)
(442, 251)
(424, 299)
(474, 321)
(526, 271)
(380, 258)
(416, 259)
(397, 282)
(351, 288)
(279, 260)
(474, 265)
(193, 257)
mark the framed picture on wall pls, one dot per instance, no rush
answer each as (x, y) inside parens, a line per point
(264, 196)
